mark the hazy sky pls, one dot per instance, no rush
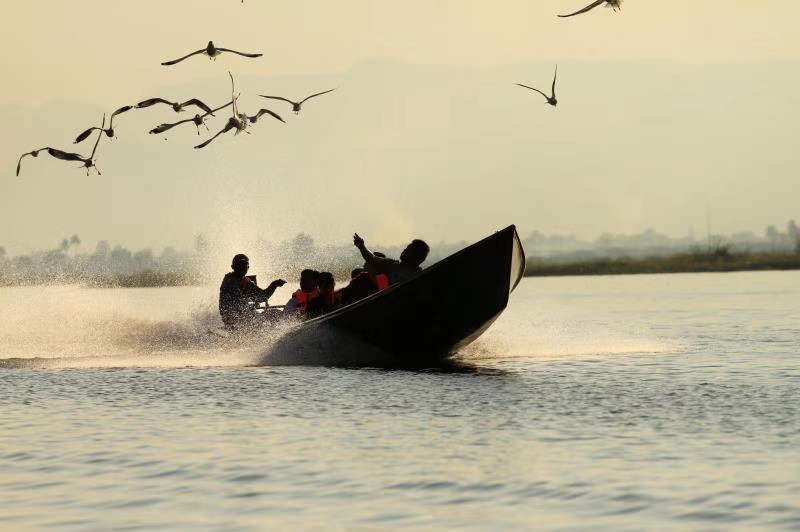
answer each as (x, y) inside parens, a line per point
(668, 110)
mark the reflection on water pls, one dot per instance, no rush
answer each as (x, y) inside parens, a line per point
(643, 402)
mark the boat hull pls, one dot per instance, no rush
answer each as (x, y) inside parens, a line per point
(420, 322)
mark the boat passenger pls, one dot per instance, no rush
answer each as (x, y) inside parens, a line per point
(326, 298)
(309, 290)
(239, 294)
(360, 286)
(396, 271)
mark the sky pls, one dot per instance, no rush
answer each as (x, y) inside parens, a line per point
(671, 115)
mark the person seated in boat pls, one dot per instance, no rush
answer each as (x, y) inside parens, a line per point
(363, 283)
(360, 286)
(396, 271)
(239, 295)
(309, 290)
(326, 298)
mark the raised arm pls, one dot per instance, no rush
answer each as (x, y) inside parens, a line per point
(358, 242)
(369, 257)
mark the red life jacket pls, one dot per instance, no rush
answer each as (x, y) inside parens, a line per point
(304, 298)
(382, 280)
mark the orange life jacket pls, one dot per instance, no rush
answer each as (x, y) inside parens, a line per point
(382, 280)
(304, 298)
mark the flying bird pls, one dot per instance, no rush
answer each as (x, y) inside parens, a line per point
(550, 99)
(613, 4)
(237, 121)
(211, 51)
(109, 131)
(296, 105)
(88, 162)
(176, 106)
(198, 120)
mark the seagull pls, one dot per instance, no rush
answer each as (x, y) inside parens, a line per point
(198, 120)
(296, 105)
(176, 106)
(211, 51)
(233, 123)
(613, 4)
(552, 98)
(237, 121)
(88, 162)
(108, 131)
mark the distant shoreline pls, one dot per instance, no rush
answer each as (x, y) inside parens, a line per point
(697, 262)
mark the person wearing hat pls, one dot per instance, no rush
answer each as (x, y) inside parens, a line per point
(237, 293)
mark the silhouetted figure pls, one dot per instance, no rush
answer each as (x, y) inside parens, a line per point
(397, 271)
(296, 105)
(309, 289)
(613, 4)
(239, 295)
(326, 295)
(109, 131)
(550, 99)
(211, 51)
(360, 286)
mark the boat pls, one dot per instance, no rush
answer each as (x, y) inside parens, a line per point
(419, 323)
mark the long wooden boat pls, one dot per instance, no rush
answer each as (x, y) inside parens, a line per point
(420, 322)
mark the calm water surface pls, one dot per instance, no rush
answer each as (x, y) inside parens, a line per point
(619, 403)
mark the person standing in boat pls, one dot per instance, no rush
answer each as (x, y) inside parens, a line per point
(238, 293)
(396, 271)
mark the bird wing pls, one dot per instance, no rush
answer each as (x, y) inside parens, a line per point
(119, 111)
(240, 53)
(35, 153)
(165, 127)
(253, 119)
(212, 111)
(230, 125)
(65, 155)
(585, 9)
(279, 98)
(317, 94)
(100, 134)
(531, 88)
(178, 60)
(83, 136)
(152, 101)
(197, 103)
(555, 75)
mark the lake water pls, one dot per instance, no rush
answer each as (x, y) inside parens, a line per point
(666, 402)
